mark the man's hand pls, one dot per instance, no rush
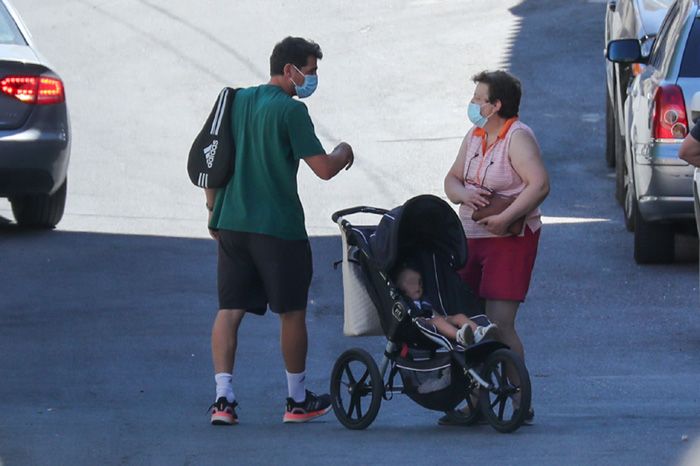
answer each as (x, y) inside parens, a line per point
(326, 166)
(213, 233)
(345, 149)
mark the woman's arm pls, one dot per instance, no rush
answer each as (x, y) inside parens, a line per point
(526, 160)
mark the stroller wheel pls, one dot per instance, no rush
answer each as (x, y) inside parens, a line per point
(507, 403)
(356, 389)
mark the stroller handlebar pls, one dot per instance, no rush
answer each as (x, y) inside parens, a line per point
(337, 217)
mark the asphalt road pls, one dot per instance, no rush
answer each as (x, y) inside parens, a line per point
(104, 322)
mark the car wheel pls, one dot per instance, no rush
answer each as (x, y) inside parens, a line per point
(620, 167)
(696, 206)
(41, 210)
(609, 132)
(653, 242)
(629, 201)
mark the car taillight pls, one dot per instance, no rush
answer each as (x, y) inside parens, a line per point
(34, 89)
(669, 118)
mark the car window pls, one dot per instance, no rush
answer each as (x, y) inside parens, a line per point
(9, 33)
(664, 49)
(657, 4)
(690, 66)
(658, 51)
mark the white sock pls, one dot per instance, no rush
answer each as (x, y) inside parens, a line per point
(224, 386)
(296, 386)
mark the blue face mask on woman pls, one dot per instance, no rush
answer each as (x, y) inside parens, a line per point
(308, 86)
(475, 116)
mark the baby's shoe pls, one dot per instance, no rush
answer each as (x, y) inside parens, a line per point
(490, 331)
(465, 336)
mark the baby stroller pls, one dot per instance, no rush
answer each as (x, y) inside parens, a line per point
(436, 373)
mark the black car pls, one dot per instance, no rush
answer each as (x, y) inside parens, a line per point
(34, 128)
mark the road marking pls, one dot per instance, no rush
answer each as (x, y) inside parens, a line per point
(572, 220)
(592, 117)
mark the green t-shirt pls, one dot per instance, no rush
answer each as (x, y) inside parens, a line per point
(273, 132)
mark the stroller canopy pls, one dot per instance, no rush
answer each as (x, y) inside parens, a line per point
(422, 222)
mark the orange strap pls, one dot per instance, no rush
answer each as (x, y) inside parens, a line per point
(485, 149)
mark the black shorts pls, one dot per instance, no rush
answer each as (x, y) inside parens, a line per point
(256, 270)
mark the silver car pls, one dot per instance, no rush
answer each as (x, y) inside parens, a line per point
(626, 19)
(660, 108)
(34, 128)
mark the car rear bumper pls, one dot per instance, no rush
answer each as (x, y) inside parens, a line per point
(34, 159)
(664, 184)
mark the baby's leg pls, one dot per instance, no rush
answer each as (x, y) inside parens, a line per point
(458, 320)
(445, 327)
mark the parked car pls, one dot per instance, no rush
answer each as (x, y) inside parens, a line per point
(662, 103)
(626, 19)
(34, 128)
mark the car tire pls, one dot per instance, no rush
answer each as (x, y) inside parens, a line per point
(609, 133)
(653, 242)
(629, 203)
(620, 167)
(40, 210)
(696, 206)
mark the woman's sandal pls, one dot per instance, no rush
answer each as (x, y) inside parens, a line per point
(457, 417)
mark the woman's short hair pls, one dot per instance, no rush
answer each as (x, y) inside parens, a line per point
(294, 50)
(503, 86)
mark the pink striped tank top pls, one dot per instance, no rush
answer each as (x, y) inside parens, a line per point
(494, 170)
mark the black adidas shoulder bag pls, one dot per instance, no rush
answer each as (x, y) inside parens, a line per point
(211, 160)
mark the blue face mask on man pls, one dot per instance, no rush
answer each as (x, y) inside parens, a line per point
(308, 86)
(475, 116)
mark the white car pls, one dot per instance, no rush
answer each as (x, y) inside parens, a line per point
(661, 107)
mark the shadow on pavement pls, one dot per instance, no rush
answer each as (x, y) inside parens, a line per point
(101, 332)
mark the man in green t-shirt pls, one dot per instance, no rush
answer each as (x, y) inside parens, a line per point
(264, 257)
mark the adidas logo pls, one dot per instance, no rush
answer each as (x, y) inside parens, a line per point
(210, 152)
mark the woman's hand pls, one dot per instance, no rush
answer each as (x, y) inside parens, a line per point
(496, 224)
(475, 197)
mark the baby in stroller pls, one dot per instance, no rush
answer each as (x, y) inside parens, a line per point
(410, 257)
(457, 327)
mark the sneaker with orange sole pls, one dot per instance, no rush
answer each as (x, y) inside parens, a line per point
(223, 412)
(312, 407)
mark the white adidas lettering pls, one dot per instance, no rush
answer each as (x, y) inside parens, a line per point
(210, 152)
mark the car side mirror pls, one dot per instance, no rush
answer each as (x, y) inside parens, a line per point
(625, 51)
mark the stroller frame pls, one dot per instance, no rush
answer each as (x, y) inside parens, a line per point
(487, 376)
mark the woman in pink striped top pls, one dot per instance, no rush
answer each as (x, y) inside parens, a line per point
(499, 155)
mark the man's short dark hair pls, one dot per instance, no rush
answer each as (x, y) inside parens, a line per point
(294, 50)
(503, 86)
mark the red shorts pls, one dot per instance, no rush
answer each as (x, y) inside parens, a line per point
(500, 268)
